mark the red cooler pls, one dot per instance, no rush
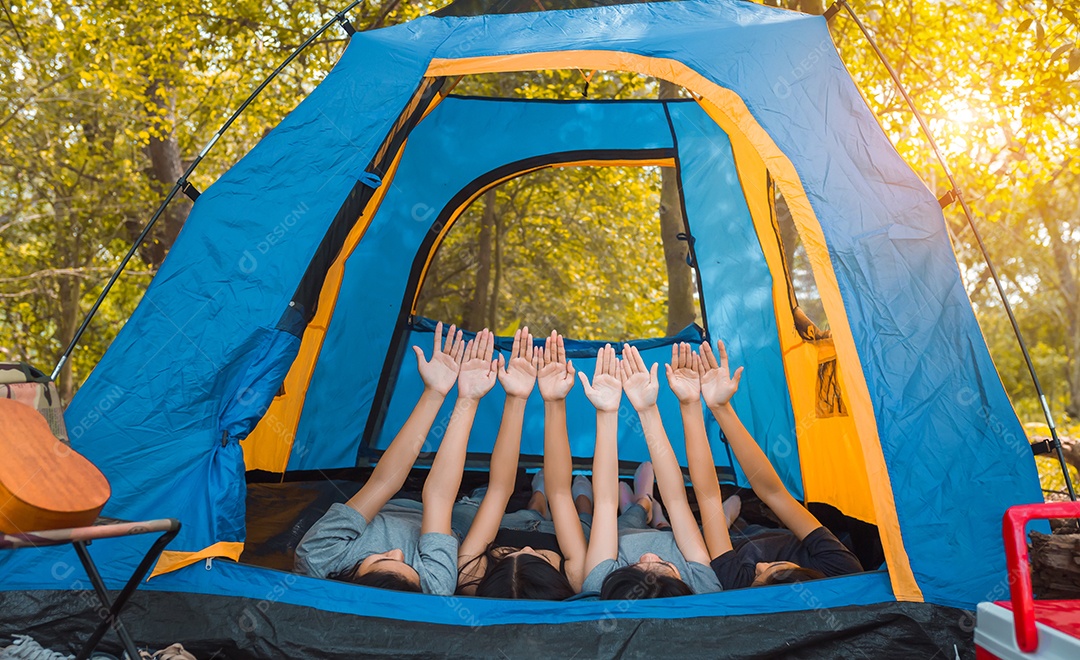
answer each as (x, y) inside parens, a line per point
(1023, 627)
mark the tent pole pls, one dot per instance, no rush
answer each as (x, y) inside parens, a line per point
(1055, 441)
(183, 185)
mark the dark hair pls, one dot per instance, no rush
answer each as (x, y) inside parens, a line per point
(633, 583)
(377, 579)
(521, 577)
(793, 575)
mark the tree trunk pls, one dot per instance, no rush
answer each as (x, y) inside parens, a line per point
(681, 308)
(1055, 573)
(1070, 293)
(69, 288)
(166, 167)
(816, 7)
(1073, 367)
(476, 313)
(496, 279)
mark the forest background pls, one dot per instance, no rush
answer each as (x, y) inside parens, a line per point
(103, 104)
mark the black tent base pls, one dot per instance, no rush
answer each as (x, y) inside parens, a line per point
(227, 627)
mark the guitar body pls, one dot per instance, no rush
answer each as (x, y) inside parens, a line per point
(44, 484)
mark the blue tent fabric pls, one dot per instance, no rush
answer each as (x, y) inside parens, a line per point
(363, 326)
(153, 413)
(247, 398)
(737, 287)
(331, 426)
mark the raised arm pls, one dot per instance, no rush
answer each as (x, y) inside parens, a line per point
(518, 380)
(641, 387)
(476, 378)
(683, 375)
(605, 393)
(439, 375)
(717, 387)
(556, 379)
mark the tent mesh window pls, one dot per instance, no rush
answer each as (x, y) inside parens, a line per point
(830, 403)
(805, 300)
(576, 248)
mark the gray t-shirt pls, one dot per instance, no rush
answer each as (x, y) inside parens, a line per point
(342, 537)
(635, 542)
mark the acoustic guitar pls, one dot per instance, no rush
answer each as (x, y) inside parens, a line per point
(44, 484)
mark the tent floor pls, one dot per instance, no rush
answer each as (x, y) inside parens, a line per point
(279, 513)
(223, 627)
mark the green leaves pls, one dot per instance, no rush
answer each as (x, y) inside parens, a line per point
(1002, 104)
(86, 86)
(578, 250)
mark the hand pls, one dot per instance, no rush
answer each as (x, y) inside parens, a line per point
(440, 373)
(556, 377)
(684, 373)
(478, 371)
(639, 383)
(717, 385)
(519, 377)
(606, 390)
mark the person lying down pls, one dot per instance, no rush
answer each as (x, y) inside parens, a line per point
(414, 546)
(806, 550)
(537, 552)
(627, 559)
(399, 543)
(620, 545)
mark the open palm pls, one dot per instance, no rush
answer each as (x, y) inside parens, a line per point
(683, 374)
(556, 376)
(478, 372)
(519, 377)
(441, 371)
(639, 383)
(605, 391)
(718, 385)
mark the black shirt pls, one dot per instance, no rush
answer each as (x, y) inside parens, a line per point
(820, 550)
(518, 538)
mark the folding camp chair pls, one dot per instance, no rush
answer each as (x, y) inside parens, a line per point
(81, 537)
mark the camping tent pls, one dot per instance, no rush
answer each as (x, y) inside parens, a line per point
(272, 339)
